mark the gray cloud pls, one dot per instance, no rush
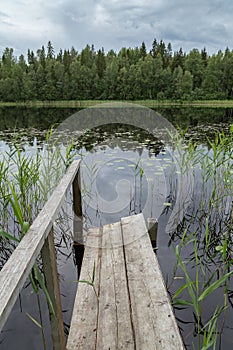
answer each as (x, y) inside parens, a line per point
(3, 15)
(117, 23)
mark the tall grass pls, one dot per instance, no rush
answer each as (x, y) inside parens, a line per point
(27, 179)
(203, 240)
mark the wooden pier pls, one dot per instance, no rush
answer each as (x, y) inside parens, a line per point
(121, 301)
(127, 307)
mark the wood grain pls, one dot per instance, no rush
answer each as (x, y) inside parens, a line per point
(153, 319)
(133, 310)
(114, 322)
(83, 329)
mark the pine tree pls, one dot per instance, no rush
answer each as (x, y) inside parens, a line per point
(194, 64)
(204, 57)
(41, 56)
(178, 60)
(154, 49)
(100, 63)
(142, 50)
(50, 52)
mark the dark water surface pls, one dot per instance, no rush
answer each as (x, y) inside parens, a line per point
(138, 168)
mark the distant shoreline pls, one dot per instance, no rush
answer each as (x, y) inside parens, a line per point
(145, 103)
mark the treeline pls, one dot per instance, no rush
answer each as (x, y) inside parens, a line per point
(131, 74)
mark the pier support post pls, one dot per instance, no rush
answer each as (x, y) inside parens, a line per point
(77, 207)
(48, 255)
(78, 222)
(152, 225)
(78, 254)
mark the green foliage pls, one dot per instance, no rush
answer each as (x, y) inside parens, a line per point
(207, 269)
(133, 73)
(91, 281)
(198, 291)
(26, 182)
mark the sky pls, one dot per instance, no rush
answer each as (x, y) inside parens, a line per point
(114, 24)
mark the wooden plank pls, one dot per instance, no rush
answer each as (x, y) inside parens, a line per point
(83, 329)
(16, 270)
(125, 336)
(153, 319)
(48, 254)
(114, 329)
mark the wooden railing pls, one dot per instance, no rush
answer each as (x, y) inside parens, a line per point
(40, 240)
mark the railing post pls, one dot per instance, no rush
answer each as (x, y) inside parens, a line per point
(152, 225)
(77, 207)
(78, 221)
(48, 255)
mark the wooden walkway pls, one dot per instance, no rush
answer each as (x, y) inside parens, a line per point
(127, 307)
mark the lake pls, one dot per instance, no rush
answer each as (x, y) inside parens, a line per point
(127, 168)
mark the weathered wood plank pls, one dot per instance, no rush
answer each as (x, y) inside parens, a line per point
(125, 336)
(16, 270)
(114, 323)
(132, 310)
(83, 330)
(107, 318)
(153, 319)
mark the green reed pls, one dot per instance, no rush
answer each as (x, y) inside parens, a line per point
(198, 290)
(206, 231)
(27, 180)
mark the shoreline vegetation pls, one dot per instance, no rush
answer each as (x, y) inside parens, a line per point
(145, 103)
(132, 74)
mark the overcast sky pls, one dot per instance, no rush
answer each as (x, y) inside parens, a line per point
(114, 24)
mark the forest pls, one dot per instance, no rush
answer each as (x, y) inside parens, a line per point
(130, 74)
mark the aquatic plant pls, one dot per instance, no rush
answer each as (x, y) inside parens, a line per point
(203, 240)
(27, 180)
(198, 291)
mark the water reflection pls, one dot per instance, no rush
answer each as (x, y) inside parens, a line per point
(146, 164)
(14, 120)
(17, 118)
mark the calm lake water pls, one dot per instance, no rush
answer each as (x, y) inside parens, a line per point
(131, 165)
